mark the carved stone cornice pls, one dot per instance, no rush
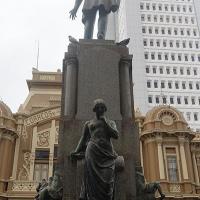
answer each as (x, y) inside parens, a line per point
(8, 134)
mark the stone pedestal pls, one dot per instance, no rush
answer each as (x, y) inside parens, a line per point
(97, 69)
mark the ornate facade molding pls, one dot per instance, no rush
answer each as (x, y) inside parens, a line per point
(43, 139)
(25, 170)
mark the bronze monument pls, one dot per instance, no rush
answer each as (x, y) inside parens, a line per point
(90, 8)
(99, 169)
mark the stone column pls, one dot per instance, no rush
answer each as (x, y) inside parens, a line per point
(32, 161)
(152, 164)
(70, 83)
(7, 157)
(141, 154)
(160, 157)
(183, 158)
(125, 88)
(17, 146)
(196, 174)
(52, 142)
(16, 155)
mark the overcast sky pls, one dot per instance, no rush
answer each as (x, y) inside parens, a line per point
(22, 24)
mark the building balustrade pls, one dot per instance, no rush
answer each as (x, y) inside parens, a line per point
(25, 186)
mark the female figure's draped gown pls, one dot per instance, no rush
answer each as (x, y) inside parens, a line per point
(100, 158)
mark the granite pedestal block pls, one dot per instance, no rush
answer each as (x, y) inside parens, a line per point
(97, 69)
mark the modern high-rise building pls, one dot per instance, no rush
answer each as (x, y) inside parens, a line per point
(165, 43)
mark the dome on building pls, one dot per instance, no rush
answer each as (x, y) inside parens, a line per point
(160, 112)
(5, 110)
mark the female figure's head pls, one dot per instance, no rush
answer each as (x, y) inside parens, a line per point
(99, 107)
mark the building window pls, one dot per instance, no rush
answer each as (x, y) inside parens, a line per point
(172, 167)
(156, 30)
(147, 70)
(171, 100)
(154, 70)
(186, 58)
(164, 100)
(197, 86)
(192, 20)
(188, 116)
(194, 32)
(179, 57)
(192, 58)
(184, 85)
(195, 71)
(179, 100)
(176, 85)
(155, 84)
(182, 33)
(157, 100)
(150, 99)
(158, 43)
(161, 70)
(171, 43)
(41, 169)
(195, 116)
(181, 71)
(170, 85)
(168, 70)
(145, 42)
(193, 100)
(186, 100)
(162, 84)
(153, 56)
(148, 84)
(190, 86)
(174, 70)
(42, 154)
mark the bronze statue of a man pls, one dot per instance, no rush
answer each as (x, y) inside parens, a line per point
(90, 9)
